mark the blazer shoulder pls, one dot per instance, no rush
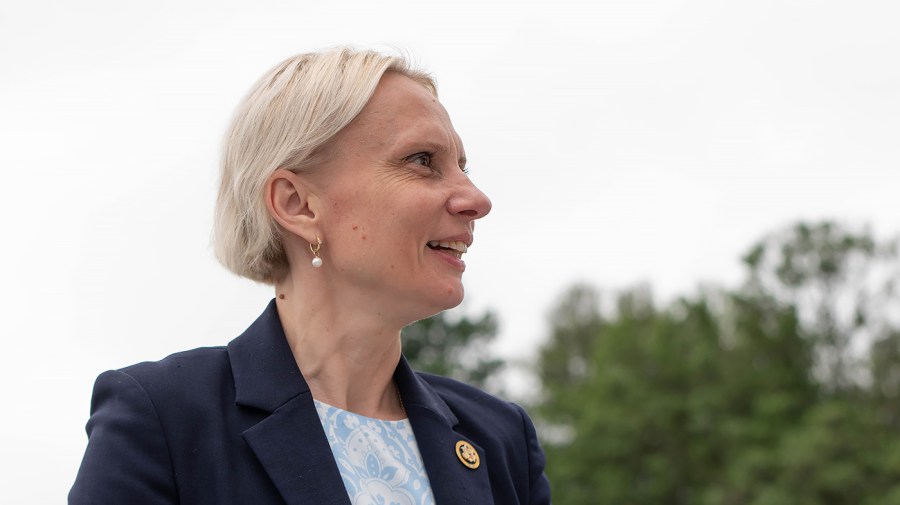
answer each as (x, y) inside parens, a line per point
(195, 370)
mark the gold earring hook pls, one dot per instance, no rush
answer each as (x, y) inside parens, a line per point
(315, 250)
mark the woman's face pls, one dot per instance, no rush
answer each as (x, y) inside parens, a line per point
(397, 207)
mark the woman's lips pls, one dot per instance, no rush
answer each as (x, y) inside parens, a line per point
(451, 256)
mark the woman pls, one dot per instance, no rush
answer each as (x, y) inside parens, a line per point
(344, 186)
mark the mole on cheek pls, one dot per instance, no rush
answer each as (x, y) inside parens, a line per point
(355, 227)
(364, 237)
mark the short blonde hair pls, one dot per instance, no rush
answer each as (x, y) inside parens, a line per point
(284, 122)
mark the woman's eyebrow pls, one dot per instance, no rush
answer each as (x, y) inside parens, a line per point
(427, 145)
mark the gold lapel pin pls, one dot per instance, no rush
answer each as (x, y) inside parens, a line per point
(467, 454)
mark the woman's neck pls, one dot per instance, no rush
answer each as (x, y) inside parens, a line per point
(346, 353)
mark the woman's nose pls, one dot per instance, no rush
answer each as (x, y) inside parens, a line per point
(469, 201)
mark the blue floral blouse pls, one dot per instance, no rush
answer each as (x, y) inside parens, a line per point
(379, 460)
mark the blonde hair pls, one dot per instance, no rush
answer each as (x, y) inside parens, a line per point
(284, 122)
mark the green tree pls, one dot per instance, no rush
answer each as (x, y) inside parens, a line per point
(842, 282)
(457, 348)
(615, 390)
(840, 449)
(666, 399)
(761, 395)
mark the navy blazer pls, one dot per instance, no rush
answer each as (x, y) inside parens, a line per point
(237, 424)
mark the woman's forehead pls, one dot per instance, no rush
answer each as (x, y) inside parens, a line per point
(402, 110)
(399, 98)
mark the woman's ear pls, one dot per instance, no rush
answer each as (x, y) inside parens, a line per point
(292, 204)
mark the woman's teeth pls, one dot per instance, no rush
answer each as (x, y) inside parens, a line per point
(457, 246)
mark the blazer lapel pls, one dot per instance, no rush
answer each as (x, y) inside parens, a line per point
(290, 443)
(433, 423)
(292, 447)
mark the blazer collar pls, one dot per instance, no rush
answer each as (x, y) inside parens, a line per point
(291, 444)
(417, 394)
(265, 372)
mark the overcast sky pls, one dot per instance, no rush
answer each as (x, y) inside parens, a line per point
(620, 141)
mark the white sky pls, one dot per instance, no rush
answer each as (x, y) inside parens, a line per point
(620, 141)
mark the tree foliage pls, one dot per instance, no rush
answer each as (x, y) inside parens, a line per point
(842, 283)
(782, 391)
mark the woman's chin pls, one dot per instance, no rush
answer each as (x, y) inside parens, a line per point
(445, 299)
(454, 295)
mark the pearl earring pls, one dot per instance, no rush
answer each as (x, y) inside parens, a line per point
(316, 261)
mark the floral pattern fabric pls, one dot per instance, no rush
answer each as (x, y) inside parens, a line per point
(379, 460)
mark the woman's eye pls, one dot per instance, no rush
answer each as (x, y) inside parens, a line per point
(423, 159)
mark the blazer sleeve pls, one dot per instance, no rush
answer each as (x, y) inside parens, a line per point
(127, 457)
(539, 485)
